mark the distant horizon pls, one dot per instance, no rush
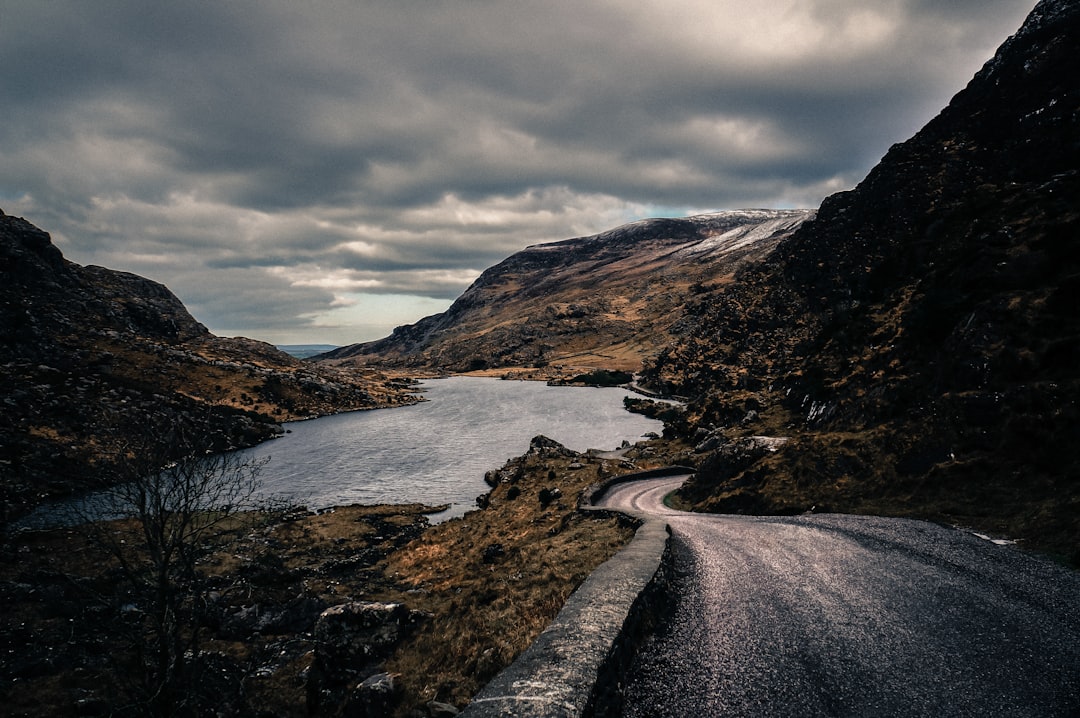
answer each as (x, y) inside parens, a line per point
(303, 351)
(325, 173)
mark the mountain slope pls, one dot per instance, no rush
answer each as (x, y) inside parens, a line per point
(91, 356)
(919, 341)
(606, 301)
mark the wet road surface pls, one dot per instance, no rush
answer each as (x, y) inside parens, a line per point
(832, 615)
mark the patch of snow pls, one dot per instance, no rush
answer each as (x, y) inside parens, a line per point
(758, 225)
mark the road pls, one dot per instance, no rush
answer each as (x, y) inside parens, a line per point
(831, 615)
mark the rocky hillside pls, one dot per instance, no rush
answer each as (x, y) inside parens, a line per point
(919, 341)
(605, 301)
(912, 349)
(90, 355)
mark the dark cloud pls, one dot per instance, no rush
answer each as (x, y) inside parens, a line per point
(281, 165)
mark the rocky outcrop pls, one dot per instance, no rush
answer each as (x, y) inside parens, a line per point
(351, 639)
(353, 636)
(91, 357)
(921, 332)
(606, 300)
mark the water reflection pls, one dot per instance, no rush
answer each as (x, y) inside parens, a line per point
(435, 452)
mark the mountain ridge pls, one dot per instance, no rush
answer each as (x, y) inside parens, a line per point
(918, 340)
(599, 301)
(93, 357)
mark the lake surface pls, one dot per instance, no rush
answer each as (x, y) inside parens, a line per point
(438, 451)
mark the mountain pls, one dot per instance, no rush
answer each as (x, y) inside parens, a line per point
(605, 301)
(90, 356)
(911, 349)
(918, 342)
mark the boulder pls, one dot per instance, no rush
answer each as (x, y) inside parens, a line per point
(544, 446)
(547, 495)
(374, 697)
(297, 616)
(441, 710)
(728, 458)
(351, 636)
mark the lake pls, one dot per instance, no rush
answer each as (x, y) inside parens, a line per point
(437, 452)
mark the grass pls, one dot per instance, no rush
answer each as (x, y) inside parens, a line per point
(488, 582)
(495, 578)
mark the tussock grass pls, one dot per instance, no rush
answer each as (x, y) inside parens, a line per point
(489, 583)
(488, 604)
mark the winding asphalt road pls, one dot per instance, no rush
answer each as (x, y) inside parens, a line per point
(831, 615)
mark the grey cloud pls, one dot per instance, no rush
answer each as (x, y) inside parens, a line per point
(243, 301)
(386, 140)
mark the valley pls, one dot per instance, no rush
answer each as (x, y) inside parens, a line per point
(910, 348)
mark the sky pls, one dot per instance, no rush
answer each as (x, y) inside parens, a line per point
(321, 172)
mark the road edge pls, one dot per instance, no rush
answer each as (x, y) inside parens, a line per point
(574, 668)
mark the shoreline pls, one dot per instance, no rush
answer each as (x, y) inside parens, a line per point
(491, 564)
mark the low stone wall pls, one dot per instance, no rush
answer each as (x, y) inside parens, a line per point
(575, 666)
(606, 699)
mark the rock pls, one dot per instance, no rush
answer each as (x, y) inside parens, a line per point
(712, 442)
(549, 495)
(297, 617)
(350, 636)
(441, 710)
(730, 458)
(548, 447)
(493, 553)
(374, 697)
(770, 444)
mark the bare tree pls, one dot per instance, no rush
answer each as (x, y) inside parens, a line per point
(178, 499)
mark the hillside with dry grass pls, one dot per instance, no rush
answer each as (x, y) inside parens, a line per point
(467, 597)
(608, 301)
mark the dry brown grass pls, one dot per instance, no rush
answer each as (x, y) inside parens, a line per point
(485, 605)
(486, 611)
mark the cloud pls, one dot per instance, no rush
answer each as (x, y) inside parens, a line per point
(279, 164)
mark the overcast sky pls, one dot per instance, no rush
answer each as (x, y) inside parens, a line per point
(324, 171)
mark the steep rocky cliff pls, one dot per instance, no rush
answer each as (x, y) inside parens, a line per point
(90, 355)
(605, 301)
(919, 340)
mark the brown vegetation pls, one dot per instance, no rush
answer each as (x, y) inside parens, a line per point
(608, 301)
(487, 583)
